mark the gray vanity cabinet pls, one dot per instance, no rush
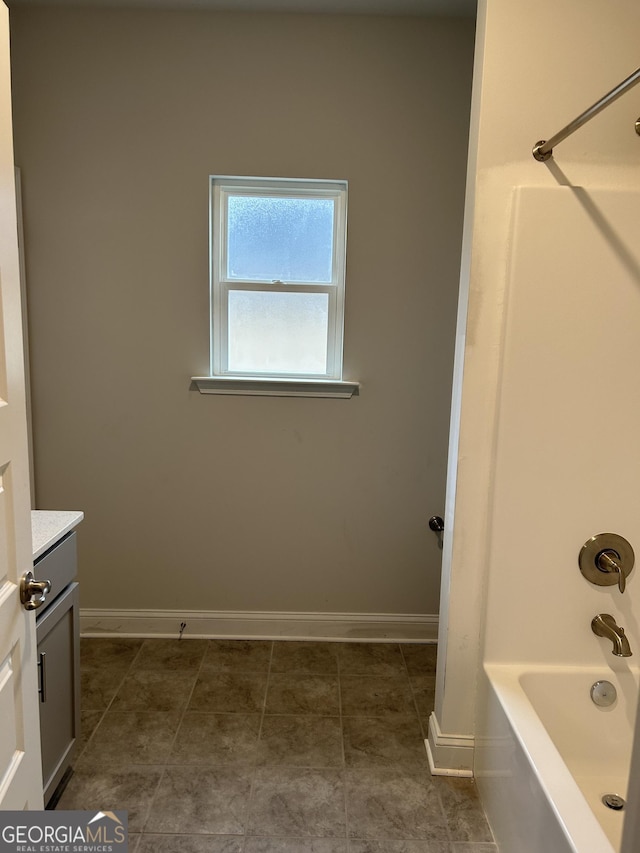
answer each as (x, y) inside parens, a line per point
(57, 631)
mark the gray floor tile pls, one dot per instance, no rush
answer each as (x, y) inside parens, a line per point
(302, 741)
(229, 692)
(170, 654)
(371, 659)
(463, 810)
(197, 795)
(106, 650)
(190, 844)
(88, 722)
(131, 737)
(394, 740)
(152, 690)
(358, 846)
(99, 683)
(303, 694)
(318, 658)
(201, 800)
(238, 656)
(420, 658)
(224, 739)
(470, 847)
(424, 693)
(290, 802)
(375, 696)
(130, 788)
(393, 804)
(295, 845)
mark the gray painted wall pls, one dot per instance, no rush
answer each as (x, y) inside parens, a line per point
(238, 503)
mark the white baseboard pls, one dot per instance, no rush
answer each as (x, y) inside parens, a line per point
(448, 755)
(405, 628)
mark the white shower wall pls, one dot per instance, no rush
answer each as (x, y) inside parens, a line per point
(567, 452)
(522, 498)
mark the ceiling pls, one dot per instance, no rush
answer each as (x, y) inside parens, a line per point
(466, 8)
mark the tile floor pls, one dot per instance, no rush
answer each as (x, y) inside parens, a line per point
(222, 746)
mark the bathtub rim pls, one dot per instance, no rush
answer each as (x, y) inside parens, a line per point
(575, 817)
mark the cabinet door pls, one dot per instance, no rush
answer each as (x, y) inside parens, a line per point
(59, 686)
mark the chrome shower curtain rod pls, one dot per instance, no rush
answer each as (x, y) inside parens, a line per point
(543, 149)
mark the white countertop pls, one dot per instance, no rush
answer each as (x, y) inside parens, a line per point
(49, 526)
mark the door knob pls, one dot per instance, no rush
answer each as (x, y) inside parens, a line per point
(33, 592)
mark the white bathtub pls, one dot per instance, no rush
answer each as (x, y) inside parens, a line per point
(546, 754)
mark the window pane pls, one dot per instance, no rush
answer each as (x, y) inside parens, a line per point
(279, 239)
(278, 332)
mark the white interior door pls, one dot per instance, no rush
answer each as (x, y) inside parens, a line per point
(20, 770)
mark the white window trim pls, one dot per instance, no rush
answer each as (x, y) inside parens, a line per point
(257, 387)
(220, 186)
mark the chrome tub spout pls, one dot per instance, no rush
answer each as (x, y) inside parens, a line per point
(605, 625)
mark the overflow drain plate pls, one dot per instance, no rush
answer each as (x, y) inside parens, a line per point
(613, 801)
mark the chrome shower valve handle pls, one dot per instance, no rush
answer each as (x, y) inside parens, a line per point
(606, 559)
(606, 562)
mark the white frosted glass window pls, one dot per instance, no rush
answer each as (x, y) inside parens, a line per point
(279, 239)
(278, 332)
(278, 255)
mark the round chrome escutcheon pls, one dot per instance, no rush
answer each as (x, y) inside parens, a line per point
(613, 801)
(613, 546)
(603, 694)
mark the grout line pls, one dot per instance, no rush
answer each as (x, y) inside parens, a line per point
(255, 768)
(151, 801)
(166, 763)
(119, 687)
(413, 696)
(189, 697)
(443, 811)
(109, 703)
(266, 692)
(344, 759)
(425, 734)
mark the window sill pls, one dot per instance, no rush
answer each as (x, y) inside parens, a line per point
(258, 387)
